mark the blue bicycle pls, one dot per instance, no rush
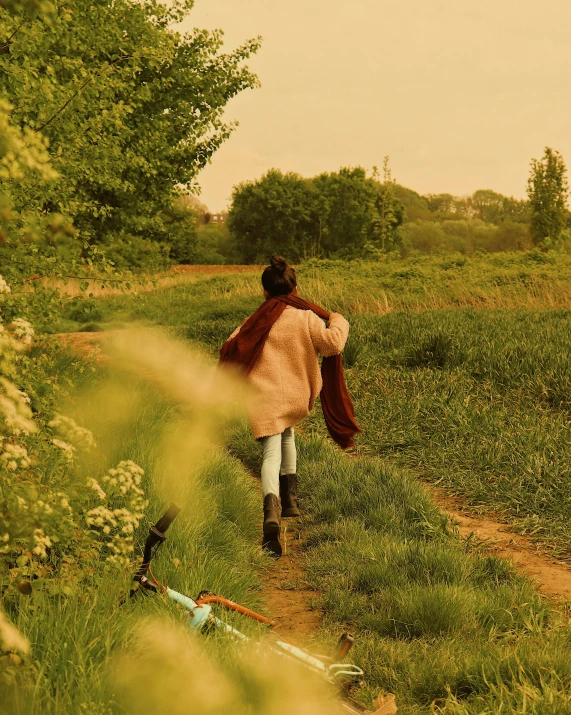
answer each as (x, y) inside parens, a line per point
(201, 618)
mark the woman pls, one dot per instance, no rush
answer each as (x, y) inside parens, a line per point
(278, 348)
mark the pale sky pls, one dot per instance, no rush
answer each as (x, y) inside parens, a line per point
(460, 94)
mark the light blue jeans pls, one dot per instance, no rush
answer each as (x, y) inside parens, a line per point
(279, 457)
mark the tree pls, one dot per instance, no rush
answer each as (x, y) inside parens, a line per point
(132, 109)
(194, 204)
(180, 221)
(492, 207)
(548, 191)
(446, 206)
(415, 205)
(276, 214)
(337, 214)
(487, 205)
(390, 212)
(345, 210)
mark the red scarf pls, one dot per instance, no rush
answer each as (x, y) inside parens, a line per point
(246, 347)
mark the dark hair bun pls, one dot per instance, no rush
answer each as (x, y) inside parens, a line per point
(279, 277)
(278, 264)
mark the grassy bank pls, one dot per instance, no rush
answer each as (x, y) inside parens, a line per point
(506, 281)
(477, 401)
(74, 614)
(474, 399)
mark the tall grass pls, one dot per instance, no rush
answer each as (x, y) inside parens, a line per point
(84, 621)
(487, 418)
(143, 282)
(443, 626)
(504, 281)
(478, 400)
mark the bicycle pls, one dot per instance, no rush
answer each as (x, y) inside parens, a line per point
(201, 618)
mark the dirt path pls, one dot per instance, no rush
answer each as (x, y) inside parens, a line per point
(215, 270)
(287, 595)
(552, 577)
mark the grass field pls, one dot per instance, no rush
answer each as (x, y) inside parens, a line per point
(477, 401)
(522, 280)
(460, 371)
(440, 624)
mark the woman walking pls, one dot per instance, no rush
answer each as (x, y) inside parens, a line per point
(278, 348)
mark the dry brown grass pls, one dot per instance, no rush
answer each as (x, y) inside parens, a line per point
(178, 275)
(371, 288)
(367, 297)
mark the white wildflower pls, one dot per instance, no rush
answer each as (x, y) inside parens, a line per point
(127, 476)
(4, 287)
(45, 507)
(94, 484)
(22, 331)
(25, 397)
(119, 523)
(99, 516)
(17, 414)
(10, 637)
(80, 437)
(42, 543)
(66, 448)
(14, 456)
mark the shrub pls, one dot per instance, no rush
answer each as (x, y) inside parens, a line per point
(464, 236)
(51, 517)
(85, 311)
(353, 350)
(423, 236)
(133, 252)
(436, 351)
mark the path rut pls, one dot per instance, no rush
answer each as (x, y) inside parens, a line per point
(551, 576)
(287, 595)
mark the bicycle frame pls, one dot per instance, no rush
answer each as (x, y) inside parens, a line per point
(199, 615)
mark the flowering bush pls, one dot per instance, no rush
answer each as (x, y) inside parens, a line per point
(119, 524)
(51, 515)
(80, 437)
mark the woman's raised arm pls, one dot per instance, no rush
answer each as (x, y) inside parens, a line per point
(328, 341)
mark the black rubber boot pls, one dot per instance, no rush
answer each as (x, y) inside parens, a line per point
(271, 528)
(288, 495)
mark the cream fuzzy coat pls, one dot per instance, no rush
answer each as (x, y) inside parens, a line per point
(287, 377)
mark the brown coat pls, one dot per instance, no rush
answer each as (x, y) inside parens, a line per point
(287, 377)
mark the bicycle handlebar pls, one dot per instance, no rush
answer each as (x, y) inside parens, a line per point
(156, 536)
(167, 518)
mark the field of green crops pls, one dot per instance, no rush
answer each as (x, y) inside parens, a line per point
(460, 371)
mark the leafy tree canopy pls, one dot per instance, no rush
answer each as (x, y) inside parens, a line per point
(340, 213)
(124, 110)
(548, 191)
(485, 205)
